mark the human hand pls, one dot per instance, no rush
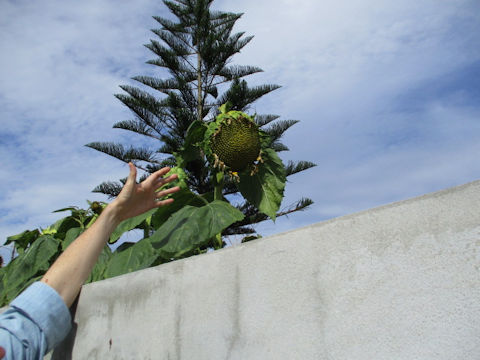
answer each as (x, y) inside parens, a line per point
(135, 199)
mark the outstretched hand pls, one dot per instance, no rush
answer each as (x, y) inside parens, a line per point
(73, 267)
(135, 199)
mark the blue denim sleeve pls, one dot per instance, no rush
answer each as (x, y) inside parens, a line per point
(35, 323)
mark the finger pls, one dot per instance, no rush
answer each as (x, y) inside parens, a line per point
(159, 203)
(159, 173)
(171, 178)
(163, 193)
(154, 178)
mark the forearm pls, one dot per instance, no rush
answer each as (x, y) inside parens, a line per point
(72, 268)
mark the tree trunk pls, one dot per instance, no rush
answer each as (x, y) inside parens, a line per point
(199, 90)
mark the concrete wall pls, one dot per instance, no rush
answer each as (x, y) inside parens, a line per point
(397, 282)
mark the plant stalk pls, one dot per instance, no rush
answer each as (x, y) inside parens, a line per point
(218, 195)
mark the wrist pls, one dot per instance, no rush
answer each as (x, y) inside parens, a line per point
(112, 214)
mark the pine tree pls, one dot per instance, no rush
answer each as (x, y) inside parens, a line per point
(196, 50)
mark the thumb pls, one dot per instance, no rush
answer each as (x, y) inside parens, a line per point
(132, 176)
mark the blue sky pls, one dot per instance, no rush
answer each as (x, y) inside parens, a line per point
(388, 94)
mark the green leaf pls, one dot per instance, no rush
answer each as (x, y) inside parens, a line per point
(71, 208)
(34, 261)
(136, 257)
(181, 198)
(191, 226)
(66, 224)
(71, 235)
(60, 228)
(265, 188)
(6, 298)
(101, 265)
(190, 150)
(212, 127)
(224, 108)
(195, 133)
(265, 139)
(181, 180)
(21, 241)
(128, 225)
(250, 238)
(125, 246)
(3, 271)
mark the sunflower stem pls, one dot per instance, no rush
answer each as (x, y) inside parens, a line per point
(218, 178)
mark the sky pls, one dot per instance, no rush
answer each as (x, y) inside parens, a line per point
(387, 94)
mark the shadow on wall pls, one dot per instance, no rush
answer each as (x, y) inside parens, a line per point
(64, 350)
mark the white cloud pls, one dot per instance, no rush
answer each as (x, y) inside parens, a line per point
(350, 70)
(61, 64)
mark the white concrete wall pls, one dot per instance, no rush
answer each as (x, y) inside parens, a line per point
(397, 282)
